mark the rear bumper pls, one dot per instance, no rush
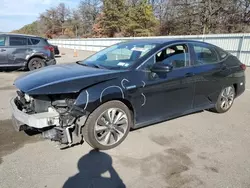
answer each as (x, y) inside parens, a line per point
(51, 62)
(240, 89)
(241, 86)
(39, 120)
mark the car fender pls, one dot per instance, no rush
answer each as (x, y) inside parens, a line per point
(92, 97)
(35, 55)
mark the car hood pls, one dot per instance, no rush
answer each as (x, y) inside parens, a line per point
(67, 78)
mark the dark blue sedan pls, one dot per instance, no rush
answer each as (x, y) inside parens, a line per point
(126, 86)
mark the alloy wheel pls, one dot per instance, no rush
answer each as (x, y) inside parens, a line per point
(227, 98)
(36, 64)
(111, 126)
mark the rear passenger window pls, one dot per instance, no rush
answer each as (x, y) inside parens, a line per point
(18, 41)
(205, 55)
(2, 41)
(35, 41)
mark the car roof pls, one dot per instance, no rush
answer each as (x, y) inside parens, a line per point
(17, 34)
(159, 41)
(164, 41)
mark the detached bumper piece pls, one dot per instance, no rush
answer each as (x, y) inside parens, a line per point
(56, 134)
(38, 121)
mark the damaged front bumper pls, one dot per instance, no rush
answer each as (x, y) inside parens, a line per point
(39, 120)
(49, 124)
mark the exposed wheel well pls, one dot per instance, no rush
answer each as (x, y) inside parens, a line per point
(235, 88)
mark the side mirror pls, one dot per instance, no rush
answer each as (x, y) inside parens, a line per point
(161, 68)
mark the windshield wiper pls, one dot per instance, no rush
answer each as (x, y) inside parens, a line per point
(83, 64)
(97, 66)
(91, 65)
(79, 63)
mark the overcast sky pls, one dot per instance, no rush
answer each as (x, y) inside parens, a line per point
(16, 13)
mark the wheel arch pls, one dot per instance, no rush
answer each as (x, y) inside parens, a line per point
(32, 57)
(235, 89)
(124, 101)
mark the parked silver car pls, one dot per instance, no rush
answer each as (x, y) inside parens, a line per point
(25, 51)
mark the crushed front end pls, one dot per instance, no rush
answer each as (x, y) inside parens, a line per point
(55, 116)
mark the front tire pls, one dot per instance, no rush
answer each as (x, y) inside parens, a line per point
(108, 125)
(225, 100)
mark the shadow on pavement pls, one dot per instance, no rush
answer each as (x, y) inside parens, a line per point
(12, 69)
(10, 140)
(95, 171)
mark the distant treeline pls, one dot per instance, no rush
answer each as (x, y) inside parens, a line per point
(118, 18)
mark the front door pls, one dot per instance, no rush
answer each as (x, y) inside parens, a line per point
(165, 95)
(3, 53)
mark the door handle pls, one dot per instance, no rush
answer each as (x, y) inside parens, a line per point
(190, 74)
(2, 50)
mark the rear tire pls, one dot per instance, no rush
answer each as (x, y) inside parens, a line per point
(225, 100)
(36, 63)
(108, 125)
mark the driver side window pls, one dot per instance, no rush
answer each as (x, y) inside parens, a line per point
(176, 56)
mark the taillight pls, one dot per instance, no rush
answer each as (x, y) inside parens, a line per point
(50, 48)
(243, 66)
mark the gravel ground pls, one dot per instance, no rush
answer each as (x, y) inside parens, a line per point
(199, 150)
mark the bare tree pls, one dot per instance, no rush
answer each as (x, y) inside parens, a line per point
(129, 17)
(87, 13)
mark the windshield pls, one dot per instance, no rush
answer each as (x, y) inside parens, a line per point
(119, 56)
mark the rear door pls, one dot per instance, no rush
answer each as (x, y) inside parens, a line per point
(208, 74)
(3, 53)
(17, 50)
